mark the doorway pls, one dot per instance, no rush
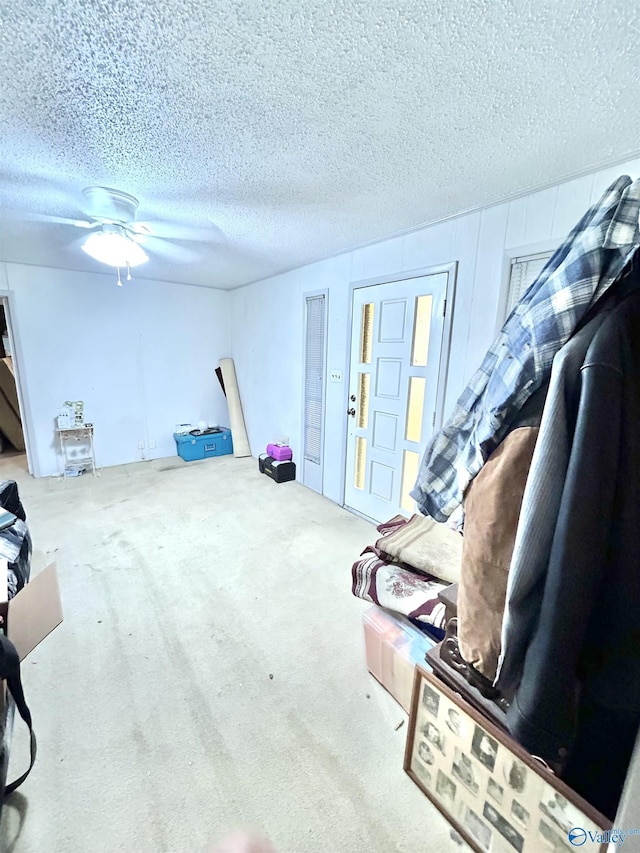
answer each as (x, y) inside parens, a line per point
(13, 451)
(399, 354)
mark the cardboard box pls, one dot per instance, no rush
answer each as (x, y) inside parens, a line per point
(8, 384)
(10, 423)
(393, 646)
(29, 617)
(34, 612)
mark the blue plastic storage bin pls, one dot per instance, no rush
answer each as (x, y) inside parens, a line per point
(191, 447)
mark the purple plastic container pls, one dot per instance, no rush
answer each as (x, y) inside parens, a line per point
(279, 452)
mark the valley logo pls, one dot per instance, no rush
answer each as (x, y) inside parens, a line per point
(578, 836)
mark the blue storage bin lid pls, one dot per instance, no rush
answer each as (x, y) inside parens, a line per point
(187, 438)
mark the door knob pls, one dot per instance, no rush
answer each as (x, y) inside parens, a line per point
(353, 398)
(351, 412)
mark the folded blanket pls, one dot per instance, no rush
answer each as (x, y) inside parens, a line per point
(423, 544)
(395, 523)
(397, 588)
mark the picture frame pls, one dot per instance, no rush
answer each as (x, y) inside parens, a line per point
(497, 796)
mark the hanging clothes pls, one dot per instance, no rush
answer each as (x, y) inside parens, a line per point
(543, 492)
(579, 273)
(492, 508)
(586, 644)
(599, 760)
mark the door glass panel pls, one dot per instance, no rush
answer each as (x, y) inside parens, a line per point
(366, 338)
(364, 380)
(361, 456)
(415, 410)
(409, 477)
(421, 329)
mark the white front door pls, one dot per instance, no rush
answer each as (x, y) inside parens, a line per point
(396, 349)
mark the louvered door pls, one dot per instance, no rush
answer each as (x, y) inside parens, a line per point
(314, 389)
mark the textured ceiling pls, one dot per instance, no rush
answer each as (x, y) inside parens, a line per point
(300, 128)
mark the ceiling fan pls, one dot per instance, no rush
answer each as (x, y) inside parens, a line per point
(119, 239)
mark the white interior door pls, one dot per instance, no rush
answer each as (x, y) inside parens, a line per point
(396, 347)
(315, 357)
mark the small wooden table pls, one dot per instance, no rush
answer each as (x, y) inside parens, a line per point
(446, 670)
(458, 683)
(449, 597)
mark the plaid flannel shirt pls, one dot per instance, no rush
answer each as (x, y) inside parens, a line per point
(582, 269)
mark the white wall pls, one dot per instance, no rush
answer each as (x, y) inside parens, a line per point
(267, 317)
(141, 356)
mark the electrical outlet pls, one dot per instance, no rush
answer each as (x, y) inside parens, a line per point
(152, 443)
(141, 445)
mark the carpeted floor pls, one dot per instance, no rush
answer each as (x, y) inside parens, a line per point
(209, 673)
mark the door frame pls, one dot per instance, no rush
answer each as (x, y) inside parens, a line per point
(445, 349)
(8, 300)
(307, 295)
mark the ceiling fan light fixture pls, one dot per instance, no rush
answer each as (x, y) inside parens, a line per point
(114, 248)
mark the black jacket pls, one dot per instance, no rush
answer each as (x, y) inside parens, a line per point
(587, 640)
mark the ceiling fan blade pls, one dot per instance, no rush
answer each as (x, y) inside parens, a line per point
(58, 220)
(179, 231)
(83, 223)
(169, 251)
